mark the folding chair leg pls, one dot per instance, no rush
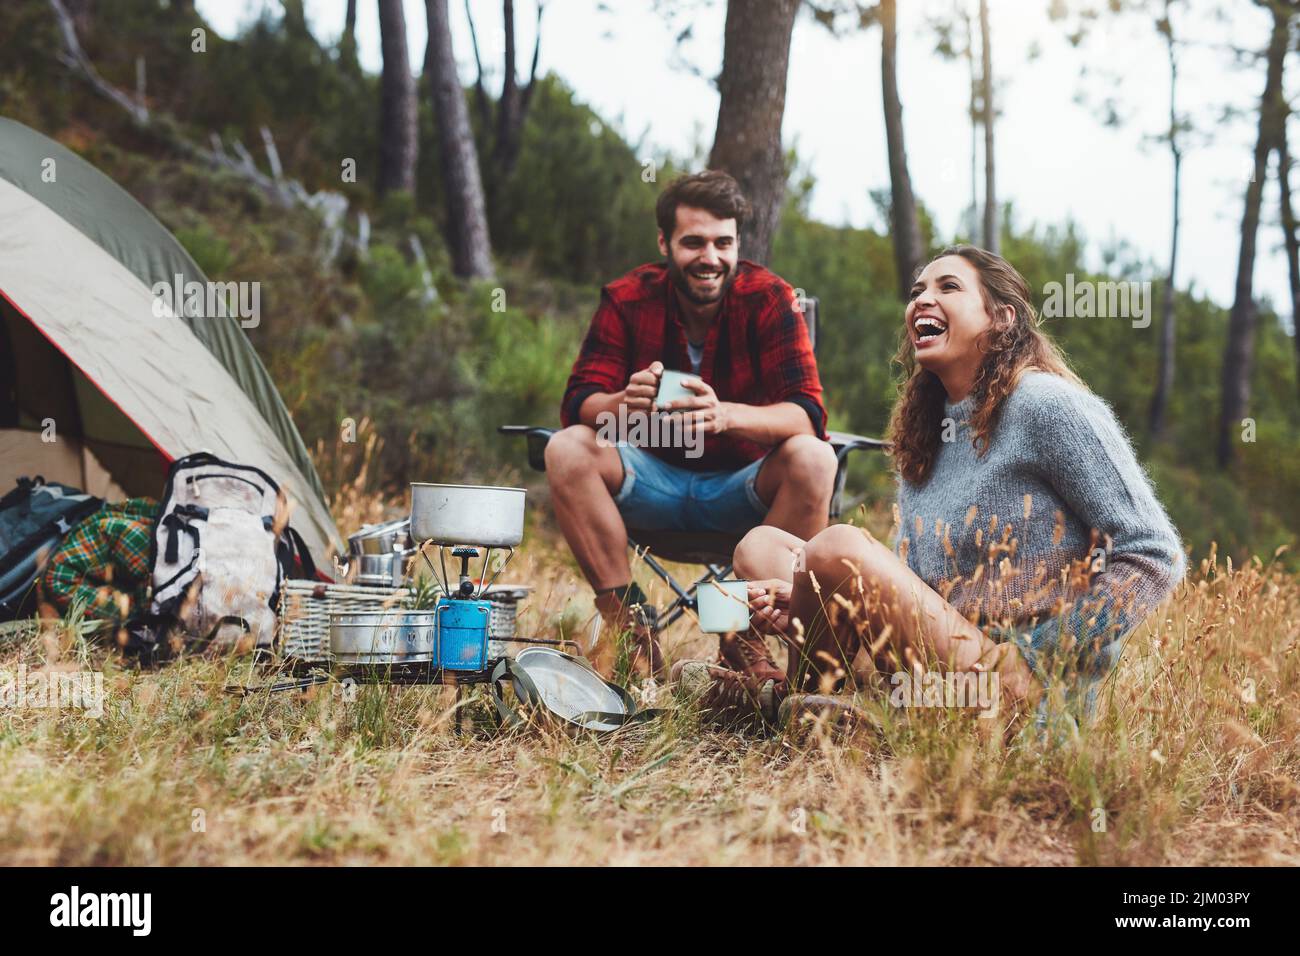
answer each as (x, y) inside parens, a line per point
(667, 578)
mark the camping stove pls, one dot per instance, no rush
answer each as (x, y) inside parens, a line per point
(463, 614)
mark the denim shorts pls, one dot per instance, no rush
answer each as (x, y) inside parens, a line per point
(657, 496)
(1074, 652)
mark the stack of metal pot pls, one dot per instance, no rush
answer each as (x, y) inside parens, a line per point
(378, 554)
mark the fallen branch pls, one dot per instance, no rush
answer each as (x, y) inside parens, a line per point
(75, 57)
(163, 129)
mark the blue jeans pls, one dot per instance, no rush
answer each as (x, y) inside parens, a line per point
(657, 496)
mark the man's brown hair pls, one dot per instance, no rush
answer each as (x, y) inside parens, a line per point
(712, 190)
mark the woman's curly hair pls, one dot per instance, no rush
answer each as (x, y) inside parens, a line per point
(1012, 345)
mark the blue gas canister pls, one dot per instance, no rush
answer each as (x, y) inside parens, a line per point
(462, 634)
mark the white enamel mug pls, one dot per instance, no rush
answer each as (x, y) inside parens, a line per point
(672, 389)
(723, 606)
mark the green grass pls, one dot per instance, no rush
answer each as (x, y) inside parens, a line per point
(1187, 764)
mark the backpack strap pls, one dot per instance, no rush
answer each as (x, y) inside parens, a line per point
(525, 690)
(178, 521)
(228, 619)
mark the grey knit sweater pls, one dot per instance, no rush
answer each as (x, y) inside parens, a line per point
(1008, 535)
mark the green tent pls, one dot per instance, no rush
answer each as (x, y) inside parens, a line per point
(102, 382)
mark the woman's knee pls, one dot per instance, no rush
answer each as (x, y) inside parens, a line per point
(757, 548)
(840, 550)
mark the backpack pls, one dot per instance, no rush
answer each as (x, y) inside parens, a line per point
(34, 517)
(217, 559)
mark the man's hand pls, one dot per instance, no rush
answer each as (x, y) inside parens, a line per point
(702, 411)
(769, 603)
(642, 387)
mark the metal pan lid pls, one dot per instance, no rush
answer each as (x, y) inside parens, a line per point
(387, 527)
(568, 688)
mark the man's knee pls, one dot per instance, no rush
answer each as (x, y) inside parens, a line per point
(575, 453)
(808, 462)
(571, 449)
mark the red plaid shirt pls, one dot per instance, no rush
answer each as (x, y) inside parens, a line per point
(756, 352)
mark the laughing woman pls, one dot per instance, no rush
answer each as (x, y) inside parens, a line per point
(1028, 540)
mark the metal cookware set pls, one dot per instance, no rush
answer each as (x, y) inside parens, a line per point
(462, 638)
(454, 635)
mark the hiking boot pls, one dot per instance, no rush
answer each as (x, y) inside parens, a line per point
(800, 712)
(727, 698)
(747, 653)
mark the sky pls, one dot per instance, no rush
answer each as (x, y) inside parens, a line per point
(1055, 159)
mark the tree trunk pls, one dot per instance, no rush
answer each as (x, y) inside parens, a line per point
(1165, 370)
(992, 226)
(467, 228)
(513, 107)
(1289, 234)
(1239, 354)
(747, 143)
(973, 215)
(398, 141)
(906, 232)
(348, 44)
(480, 92)
(295, 18)
(508, 105)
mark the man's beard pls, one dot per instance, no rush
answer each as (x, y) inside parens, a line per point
(682, 283)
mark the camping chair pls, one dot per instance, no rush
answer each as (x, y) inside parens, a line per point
(711, 549)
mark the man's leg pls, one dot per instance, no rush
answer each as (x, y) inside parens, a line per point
(764, 554)
(797, 480)
(584, 476)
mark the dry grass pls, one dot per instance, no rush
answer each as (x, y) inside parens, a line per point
(1186, 765)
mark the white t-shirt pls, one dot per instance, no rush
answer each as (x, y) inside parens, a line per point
(696, 353)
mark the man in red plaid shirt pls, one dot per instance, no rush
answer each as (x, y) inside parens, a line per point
(747, 448)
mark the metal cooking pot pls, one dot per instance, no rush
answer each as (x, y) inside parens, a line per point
(467, 514)
(378, 553)
(384, 637)
(387, 570)
(381, 538)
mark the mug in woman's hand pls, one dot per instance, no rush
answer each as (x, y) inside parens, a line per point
(723, 606)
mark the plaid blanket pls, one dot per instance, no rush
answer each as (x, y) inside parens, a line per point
(105, 561)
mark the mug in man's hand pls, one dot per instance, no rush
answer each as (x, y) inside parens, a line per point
(672, 388)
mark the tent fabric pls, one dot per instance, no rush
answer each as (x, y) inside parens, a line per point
(24, 454)
(84, 280)
(111, 218)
